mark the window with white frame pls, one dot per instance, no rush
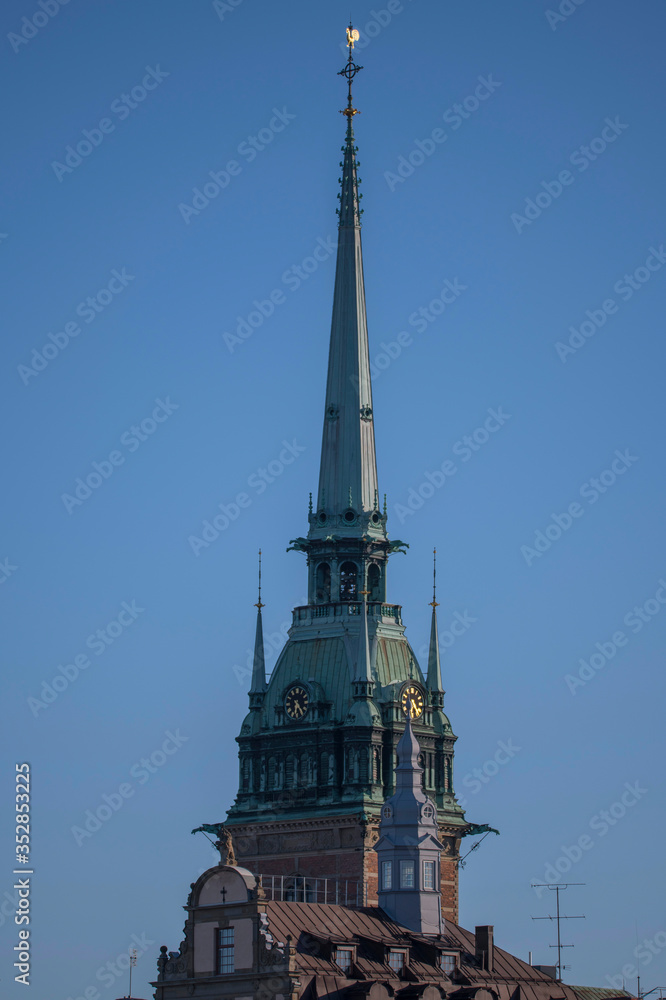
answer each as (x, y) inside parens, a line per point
(387, 874)
(396, 960)
(448, 962)
(225, 950)
(406, 874)
(343, 958)
(428, 874)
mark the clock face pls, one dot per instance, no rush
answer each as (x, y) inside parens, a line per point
(412, 701)
(296, 702)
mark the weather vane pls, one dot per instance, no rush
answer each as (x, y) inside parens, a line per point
(350, 71)
(434, 604)
(259, 604)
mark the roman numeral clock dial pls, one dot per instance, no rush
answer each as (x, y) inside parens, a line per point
(296, 703)
(411, 701)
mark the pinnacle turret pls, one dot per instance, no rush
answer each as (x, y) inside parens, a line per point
(434, 680)
(408, 848)
(258, 687)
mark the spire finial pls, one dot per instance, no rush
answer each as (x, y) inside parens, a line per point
(434, 603)
(350, 71)
(259, 604)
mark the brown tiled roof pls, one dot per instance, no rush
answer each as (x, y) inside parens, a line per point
(312, 926)
(593, 993)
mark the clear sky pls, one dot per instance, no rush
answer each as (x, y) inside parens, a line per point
(533, 221)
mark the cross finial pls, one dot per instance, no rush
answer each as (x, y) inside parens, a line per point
(350, 71)
(259, 604)
(433, 603)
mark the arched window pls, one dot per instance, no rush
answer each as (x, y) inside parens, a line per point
(291, 772)
(376, 766)
(247, 774)
(323, 594)
(373, 583)
(447, 774)
(348, 577)
(323, 769)
(305, 770)
(272, 773)
(421, 761)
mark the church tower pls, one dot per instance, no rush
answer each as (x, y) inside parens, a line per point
(318, 747)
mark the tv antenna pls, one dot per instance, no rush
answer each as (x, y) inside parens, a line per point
(558, 887)
(131, 966)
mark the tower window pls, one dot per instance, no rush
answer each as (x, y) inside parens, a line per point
(323, 595)
(396, 960)
(428, 874)
(376, 766)
(406, 874)
(225, 950)
(373, 583)
(343, 958)
(387, 875)
(348, 579)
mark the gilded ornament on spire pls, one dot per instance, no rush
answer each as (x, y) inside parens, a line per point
(350, 71)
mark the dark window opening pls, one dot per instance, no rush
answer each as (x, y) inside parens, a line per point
(323, 595)
(373, 583)
(348, 581)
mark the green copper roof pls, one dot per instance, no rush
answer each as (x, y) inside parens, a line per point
(329, 662)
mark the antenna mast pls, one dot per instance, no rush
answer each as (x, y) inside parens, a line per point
(131, 966)
(558, 886)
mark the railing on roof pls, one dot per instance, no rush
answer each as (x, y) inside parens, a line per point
(303, 889)
(341, 609)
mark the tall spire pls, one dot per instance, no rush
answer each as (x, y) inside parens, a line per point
(258, 688)
(348, 472)
(434, 667)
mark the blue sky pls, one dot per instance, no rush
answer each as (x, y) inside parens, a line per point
(540, 201)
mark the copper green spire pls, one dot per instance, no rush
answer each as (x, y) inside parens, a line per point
(434, 669)
(348, 463)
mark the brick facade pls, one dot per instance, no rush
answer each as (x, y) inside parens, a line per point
(338, 848)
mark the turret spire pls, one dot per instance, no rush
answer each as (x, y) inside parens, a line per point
(348, 463)
(434, 667)
(408, 848)
(258, 687)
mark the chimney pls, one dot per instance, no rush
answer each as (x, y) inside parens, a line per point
(484, 948)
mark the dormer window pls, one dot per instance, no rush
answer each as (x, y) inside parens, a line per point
(343, 958)
(396, 959)
(448, 963)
